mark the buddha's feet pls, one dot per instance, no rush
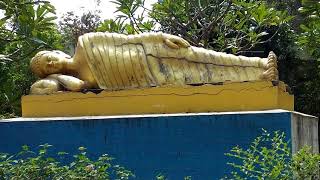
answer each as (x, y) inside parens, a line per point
(271, 73)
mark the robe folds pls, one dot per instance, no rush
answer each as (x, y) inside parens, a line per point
(120, 61)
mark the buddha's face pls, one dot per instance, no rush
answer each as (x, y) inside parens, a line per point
(51, 63)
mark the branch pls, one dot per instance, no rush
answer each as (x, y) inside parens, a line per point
(200, 12)
(251, 45)
(133, 20)
(32, 51)
(209, 28)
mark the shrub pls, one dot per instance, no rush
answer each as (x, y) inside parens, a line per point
(305, 164)
(30, 165)
(269, 157)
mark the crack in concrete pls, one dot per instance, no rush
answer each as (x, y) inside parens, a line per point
(166, 94)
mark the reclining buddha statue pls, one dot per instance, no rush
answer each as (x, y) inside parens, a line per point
(112, 61)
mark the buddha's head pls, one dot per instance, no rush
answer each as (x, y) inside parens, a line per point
(45, 63)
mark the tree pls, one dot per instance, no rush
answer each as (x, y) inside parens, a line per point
(72, 26)
(309, 42)
(298, 50)
(27, 27)
(231, 26)
(132, 16)
(308, 39)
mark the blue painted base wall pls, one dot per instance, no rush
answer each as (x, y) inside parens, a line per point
(176, 146)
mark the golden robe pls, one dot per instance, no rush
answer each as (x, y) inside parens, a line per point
(139, 61)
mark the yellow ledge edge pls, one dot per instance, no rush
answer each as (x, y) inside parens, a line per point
(241, 96)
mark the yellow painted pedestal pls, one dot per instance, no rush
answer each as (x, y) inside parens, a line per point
(242, 96)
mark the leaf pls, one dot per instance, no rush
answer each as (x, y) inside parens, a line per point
(40, 11)
(49, 19)
(25, 148)
(49, 7)
(81, 148)
(3, 20)
(262, 34)
(3, 5)
(304, 27)
(37, 40)
(61, 153)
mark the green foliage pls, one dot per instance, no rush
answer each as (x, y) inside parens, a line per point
(298, 51)
(269, 157)
(110, 25)
(231, 26)
(161, 177)
(266, 158)
(24, 24)
(72, 26)
(132, 16)
(306, 165)
(30, 165)
(27, 27)
(309, 39)
(304, 68)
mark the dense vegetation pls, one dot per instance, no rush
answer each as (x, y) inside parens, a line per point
(27, 165)
(25, 28)
(290, 28)
(267, 157)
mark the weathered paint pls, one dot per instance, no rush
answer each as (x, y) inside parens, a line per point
(245, 96)
(175, 145)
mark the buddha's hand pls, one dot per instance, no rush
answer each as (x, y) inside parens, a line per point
(175, 42)
(55, 82)
(45, 86)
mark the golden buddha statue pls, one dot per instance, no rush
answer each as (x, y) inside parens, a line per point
(114, 61)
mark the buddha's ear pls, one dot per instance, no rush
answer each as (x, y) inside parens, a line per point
(61, 53)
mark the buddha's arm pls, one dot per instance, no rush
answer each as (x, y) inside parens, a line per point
(171, 41)
(69, 82)
(56, 82)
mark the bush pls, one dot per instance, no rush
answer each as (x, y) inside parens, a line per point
(305, 165)
(269, 157)
(30, 165)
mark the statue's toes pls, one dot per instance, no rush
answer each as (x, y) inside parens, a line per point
(272, 73)
(272, 64)
(272, 60)
(273, 78)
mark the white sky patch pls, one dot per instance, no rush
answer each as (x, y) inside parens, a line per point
(106, 7)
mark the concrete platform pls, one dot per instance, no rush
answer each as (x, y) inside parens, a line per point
(175, 145)
(229, 96)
